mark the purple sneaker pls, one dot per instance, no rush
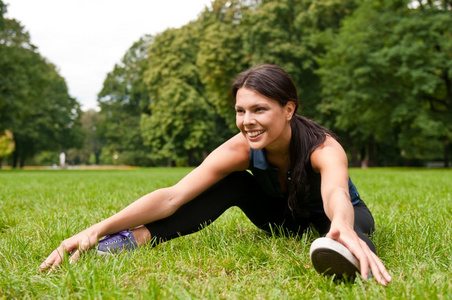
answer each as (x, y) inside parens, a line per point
(114, 243)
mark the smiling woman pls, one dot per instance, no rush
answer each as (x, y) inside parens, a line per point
(299, 179)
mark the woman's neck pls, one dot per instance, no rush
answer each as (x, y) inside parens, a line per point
(279, 155)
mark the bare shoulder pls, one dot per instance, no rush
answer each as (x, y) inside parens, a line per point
(329, 154)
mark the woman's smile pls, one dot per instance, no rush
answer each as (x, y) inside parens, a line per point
(253, 134)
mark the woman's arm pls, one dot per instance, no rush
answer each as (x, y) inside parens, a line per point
(231, 156)
(331, 161)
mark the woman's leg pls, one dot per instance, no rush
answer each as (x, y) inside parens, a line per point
(364, 223)
(238, 189)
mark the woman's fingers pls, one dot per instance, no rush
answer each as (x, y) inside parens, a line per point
(75, 245)
(371, 261)
(54, 259)
(74, 257)
(367, 259)
(379, 271)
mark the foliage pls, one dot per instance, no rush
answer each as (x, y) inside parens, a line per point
(221, 56)
(93, 142)
(45, 158)
(231, 259)
(34, 101)
(181, 125)
(123, 99)
(388, 73)
(3, 9)
(377, 72)
(293, 34)
(386, 63)
(6, 143)
(228, 38)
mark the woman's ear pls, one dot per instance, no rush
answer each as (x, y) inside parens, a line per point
(290, 110)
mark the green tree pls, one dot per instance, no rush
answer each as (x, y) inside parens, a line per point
(221, 56)
(2, 13)
(123, 99)
(294, 34)
(53, 123)
(388, 76)
(6, 145)
(34, 101)
(90, 151)
(181, 127)
(17, 56)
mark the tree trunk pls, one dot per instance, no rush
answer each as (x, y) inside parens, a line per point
(355, 158)
(15, 158)
(97, 158)
(373, 152)
(446, 153)
(364, 158)
(170, 163)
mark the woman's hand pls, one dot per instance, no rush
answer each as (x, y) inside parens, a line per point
(367, 259)
(72, 246)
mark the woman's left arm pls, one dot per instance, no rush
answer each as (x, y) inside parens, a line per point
(331, 161)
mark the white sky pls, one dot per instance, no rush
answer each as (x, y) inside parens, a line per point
(86, 38)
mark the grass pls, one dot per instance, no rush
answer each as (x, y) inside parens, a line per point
(230, 259)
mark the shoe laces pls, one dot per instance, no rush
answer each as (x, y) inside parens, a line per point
(113, 237)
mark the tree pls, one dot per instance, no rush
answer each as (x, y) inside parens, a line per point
(2, 13)
(34, 101)
(90, 151)
(395, 79)
(6, 145)
(123, 99)
(181, 125)
(294, 34)
(221, 56)
(53, 123)
(17, 56)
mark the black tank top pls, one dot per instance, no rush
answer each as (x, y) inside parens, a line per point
(267, 177)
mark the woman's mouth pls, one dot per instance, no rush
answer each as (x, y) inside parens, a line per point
(254, 134)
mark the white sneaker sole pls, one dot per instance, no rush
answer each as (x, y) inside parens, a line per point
(103, 253)
(330, 257)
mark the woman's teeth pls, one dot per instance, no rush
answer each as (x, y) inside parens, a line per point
(255, 133)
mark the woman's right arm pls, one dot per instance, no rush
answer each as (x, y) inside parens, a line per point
(231, 156)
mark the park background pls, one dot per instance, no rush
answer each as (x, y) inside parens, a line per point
(378, 73)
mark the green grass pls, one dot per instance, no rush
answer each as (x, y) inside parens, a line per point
(229, 259)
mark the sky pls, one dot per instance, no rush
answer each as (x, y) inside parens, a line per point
(86, 38)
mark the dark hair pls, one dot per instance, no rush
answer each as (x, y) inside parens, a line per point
(273, 82)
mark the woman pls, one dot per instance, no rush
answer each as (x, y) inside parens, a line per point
(299, 179)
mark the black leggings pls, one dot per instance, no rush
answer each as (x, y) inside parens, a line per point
(267, 213)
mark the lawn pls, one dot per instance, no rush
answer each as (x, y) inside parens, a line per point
(230, 259)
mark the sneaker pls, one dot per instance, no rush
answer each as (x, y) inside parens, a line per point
(330, 257)
(120, 241)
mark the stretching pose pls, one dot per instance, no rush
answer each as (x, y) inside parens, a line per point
(298, 178)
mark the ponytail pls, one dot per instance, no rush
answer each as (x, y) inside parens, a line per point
(307, 136)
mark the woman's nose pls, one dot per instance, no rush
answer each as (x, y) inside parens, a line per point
(248, 119)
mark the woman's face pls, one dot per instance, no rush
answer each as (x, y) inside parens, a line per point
(263, 121)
